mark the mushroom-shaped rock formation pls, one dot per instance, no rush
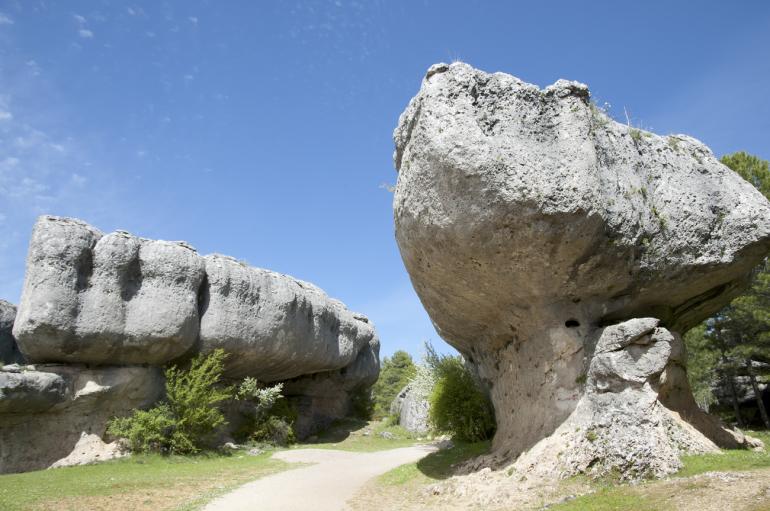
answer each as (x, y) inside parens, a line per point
(528, 221)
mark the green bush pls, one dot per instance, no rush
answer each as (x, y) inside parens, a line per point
(274, 430)
(183, 423)
(147, 430)
(458, 406)
(270, 417)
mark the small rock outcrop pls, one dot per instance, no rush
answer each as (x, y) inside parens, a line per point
(94, 301)
(56, 415)
(412, 409)
(529, 221)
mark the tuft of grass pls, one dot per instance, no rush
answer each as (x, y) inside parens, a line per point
(673, 143)
(140, 482)
(636, 135)
(435, 466)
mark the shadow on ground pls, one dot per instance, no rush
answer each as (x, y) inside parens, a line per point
(444, 464)
(339, 431)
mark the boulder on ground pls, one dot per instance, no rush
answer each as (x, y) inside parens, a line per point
(528, 220)
(412, 409)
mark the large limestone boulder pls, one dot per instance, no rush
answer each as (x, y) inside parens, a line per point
(56, 415)
(528, 220)
(9, 350)
(106, 299)
(117, 299)
(275, 326)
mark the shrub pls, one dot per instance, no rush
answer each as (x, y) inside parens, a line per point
(458, 406)
(184, 421)
(146, 430)
(271, 417)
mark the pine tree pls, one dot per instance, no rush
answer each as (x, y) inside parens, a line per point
(737, 339)
(395, 373)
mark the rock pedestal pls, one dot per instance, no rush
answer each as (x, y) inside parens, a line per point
(529, 220)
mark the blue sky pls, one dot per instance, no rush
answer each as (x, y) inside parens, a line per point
(262, 130)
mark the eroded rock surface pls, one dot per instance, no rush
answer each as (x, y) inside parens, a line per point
(636, 416)
(58, 414)
(528, 220)
(106, 299)
(277, 327)
(98, 300)
(412, 409)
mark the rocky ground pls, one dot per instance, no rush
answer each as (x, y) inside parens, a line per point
(718, 491)
(731, 480)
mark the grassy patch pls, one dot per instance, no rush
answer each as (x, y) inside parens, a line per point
(437, 465)
(141, 482)
(362, 436)
(656, 495)
(728, 460)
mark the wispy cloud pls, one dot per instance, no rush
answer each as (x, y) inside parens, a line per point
(5, 20)
(85, 33)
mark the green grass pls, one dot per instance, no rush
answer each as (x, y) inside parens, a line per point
(728, 460)
(139, 482)
(437, 465)
(154, 482)
(348, 435)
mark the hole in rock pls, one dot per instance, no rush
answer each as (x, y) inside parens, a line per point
(572, 323)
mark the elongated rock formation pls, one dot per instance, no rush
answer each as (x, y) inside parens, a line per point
(529, 221)
(116, 299)
(98, 305)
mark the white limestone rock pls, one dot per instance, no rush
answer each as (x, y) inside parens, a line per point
(528, 219)
(106, 299)
(57, 415)
(274, 326)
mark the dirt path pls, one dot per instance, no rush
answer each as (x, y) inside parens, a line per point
(327, 485)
